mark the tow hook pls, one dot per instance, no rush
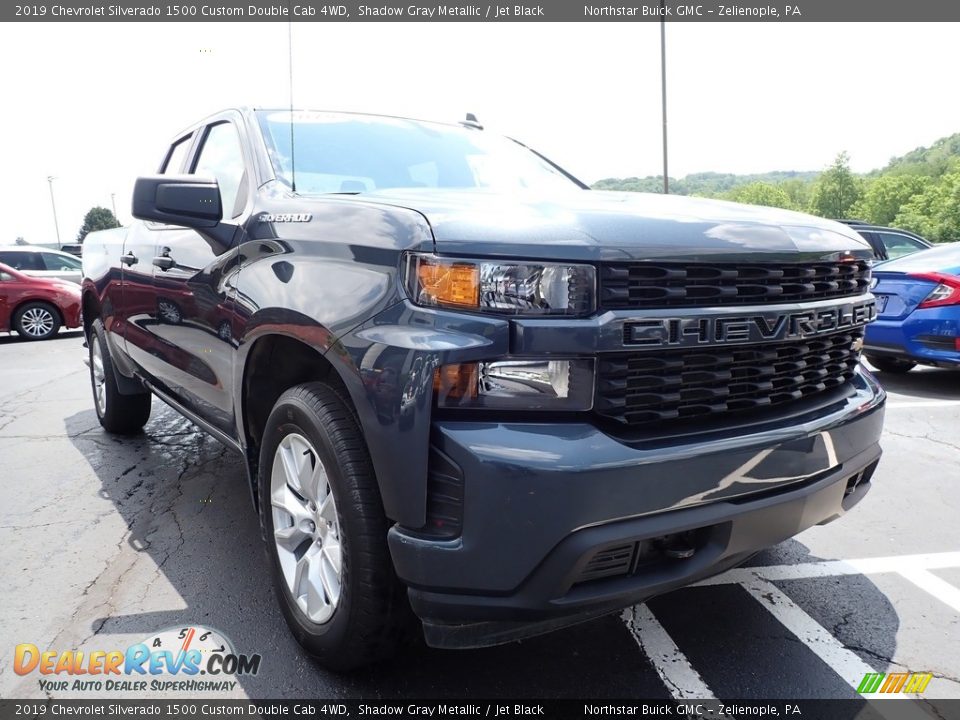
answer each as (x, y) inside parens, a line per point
(675, 547)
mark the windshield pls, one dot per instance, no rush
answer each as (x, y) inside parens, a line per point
(337, 153)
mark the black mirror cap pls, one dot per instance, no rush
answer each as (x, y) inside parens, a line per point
(185, 200)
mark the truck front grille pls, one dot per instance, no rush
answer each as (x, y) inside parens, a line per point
(644, 387)
(644, 285)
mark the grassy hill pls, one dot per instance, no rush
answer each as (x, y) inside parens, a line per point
(933, 161)
(919, 191)
(708, 184)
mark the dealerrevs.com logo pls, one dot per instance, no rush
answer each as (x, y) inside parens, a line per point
(178, 659)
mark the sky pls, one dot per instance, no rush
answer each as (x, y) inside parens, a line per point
(95, 104)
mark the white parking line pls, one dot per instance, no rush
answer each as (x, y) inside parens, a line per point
(683, 682)
(936, 586)
(845, 663)
(896, 404)
(828, 568)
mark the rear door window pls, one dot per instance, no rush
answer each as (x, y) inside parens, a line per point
(898, 245)
(22, 260)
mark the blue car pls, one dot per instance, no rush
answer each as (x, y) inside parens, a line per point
(918, 307)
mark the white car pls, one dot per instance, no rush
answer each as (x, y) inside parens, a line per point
(41, 262)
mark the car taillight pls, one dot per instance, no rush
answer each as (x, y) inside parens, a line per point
(947, 291)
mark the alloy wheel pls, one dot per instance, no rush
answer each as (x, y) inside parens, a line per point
(99, 377)
(37, 322)
(306, 528)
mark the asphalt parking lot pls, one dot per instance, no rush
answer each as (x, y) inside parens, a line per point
(104, 541)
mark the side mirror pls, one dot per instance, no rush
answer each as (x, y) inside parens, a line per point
(185, 200)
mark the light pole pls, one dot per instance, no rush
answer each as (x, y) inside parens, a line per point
(663, 89)
(50, 179)
(113, 202)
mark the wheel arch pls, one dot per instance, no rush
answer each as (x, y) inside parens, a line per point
(90, 307)
(26, 301)
(271, 364)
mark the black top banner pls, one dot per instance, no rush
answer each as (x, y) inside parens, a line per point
(467, 11)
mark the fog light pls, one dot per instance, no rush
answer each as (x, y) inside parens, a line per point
(517, 384)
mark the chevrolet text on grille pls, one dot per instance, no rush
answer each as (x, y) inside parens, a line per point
(745, 327)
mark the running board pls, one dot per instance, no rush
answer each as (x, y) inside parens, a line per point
(208, 428)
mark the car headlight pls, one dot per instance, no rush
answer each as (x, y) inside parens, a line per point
(516, 384)
(509, 288)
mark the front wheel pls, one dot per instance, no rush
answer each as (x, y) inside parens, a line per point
(117, 413)
(37, 321)
(891, 364)
(326, 531)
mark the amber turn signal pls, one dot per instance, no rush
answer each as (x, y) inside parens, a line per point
(455, 382)
(447, 283)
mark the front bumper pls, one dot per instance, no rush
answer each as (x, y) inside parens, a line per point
(562, 522)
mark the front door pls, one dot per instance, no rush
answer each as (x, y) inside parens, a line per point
(192, 285)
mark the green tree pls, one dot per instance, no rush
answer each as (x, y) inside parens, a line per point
(836, 190)
(884, 196)
(798, 191)
(934, 213)
(760, 193)
(97, 218)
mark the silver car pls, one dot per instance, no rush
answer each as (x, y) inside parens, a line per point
(41, 262)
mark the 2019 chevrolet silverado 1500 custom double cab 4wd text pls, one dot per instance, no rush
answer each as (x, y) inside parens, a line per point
(465, 384)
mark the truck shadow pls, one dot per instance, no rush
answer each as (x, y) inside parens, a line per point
(923, 382)
(198, 556)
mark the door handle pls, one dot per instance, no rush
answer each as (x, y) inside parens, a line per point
(164, 262)
(129, 258)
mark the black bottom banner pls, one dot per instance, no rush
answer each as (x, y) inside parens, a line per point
(880, 709)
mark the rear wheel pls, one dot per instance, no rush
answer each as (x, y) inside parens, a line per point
(118, 413)
(37, 321)
(891, 364)
(326, 532)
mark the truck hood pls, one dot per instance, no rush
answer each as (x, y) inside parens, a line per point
(610, 226)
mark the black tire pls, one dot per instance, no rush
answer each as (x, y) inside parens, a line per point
(118, 413)
(372, 616)
(37, 321)
(891, 364)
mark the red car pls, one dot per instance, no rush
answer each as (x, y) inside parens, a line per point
(36, 307)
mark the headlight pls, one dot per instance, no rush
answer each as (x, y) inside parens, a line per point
(516, 384)
(510, 288)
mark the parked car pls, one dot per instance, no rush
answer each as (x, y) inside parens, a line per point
(918, 306)
(42, 263)
(888, 243)
(37, 307)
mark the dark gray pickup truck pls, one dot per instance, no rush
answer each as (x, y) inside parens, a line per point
(469, 387)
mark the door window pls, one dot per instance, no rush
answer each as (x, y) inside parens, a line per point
(20, 260)
(898, 245)
(176, 155)
(221, 158)
(52, 261)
